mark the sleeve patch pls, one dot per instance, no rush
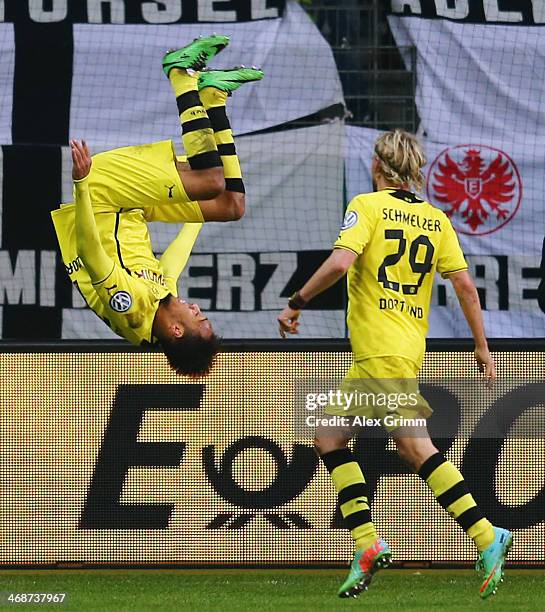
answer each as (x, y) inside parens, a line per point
(350, 219)
(121, 301)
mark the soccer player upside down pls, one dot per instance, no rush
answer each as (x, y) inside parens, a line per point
(104, 238)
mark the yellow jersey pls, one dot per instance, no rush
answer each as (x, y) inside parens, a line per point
(129, 187)
(127, 299)
(400, 241)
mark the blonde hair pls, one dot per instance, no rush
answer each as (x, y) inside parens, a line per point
(401, 158)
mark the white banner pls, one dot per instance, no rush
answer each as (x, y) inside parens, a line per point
(7, 69)
(476, 81)
(495, 199)
(119, 95)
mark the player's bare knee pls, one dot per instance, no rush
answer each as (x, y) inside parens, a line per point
(414, 451)
(212, 184)
(239, 206)
(203, 184)
(404, 454)
(326, 444)
(318, 446)
(217, 182)
(407, 451)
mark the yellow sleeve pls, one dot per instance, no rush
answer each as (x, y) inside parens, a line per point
(357, 227)
(174, 259)
(451, 257)
(89, 247)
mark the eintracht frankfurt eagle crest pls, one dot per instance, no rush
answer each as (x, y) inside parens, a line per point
(477, 186)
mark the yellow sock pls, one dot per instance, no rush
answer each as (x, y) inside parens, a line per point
(183, 81)
(214, 101)
(353, 497)
(450, 489)
(212, 97)
(197, 133)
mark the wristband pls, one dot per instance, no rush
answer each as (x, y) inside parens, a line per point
(296, 302)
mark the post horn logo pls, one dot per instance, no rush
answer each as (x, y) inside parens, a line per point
(477, 186)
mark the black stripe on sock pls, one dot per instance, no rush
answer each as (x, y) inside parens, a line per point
(335, 458)
(359, 489)
(188, 100)
(357, 518)
(469, 517)
(202, 161)
(227, 149)
(235, 184)
(196, 124)
(430, 465)
(451, 495)
(218, 118)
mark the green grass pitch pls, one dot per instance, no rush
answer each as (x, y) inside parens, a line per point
(275, 590)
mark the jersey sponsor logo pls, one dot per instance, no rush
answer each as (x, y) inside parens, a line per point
(121, 301)
(350, 219)
(151, 276)
(478, 187)
(170, 188)
(74, 266)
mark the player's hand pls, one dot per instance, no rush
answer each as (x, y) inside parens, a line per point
(81, 159)
(486, 364)
(287, 321)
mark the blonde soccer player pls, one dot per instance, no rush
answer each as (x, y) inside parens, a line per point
(103, 235)
(391, 244)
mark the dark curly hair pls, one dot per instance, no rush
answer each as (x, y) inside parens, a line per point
(191, 354)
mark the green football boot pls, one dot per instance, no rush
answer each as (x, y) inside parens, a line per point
(196, 54)
(229, 80)
(365, 564)
(491, 561)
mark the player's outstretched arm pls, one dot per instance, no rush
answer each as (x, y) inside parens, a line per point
(174, 259)
(89, 247)
(469, 301)
(332, 270)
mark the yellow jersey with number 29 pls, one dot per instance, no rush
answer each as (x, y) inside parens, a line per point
(400, 241)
